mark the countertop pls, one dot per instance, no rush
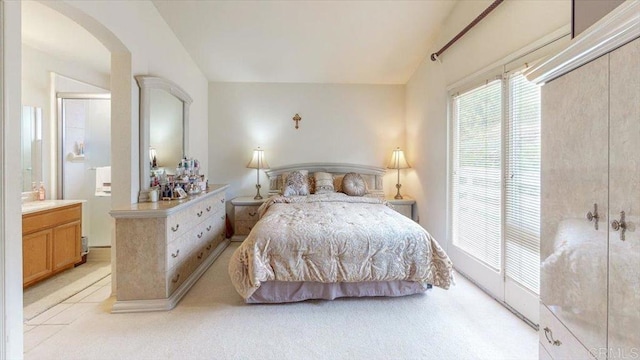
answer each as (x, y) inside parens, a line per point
(162, 208)
(37, 206)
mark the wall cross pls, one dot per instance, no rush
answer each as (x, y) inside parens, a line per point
(297, 118)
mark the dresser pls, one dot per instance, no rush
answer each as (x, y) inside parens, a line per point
(590, 200)
(164, 247)
(245, 212)
(51, 238)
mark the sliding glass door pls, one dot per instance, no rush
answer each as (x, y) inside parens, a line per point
(495, 189)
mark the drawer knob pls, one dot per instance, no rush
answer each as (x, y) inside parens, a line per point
(208, 208)
(222, 200)
(175, 279)
(176, 254)
(200, 255)
(252, 214)
(209, 228)
(200, 235)
(209, 247)
(549, 335)
(174, 229)
(199, 213)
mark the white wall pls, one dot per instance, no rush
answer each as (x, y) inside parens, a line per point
(510, 27)
(10, 218)
(359, 124)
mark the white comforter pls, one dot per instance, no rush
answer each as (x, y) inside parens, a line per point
(336, 238)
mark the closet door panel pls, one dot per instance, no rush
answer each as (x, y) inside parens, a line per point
(574, 177)
(624, 195)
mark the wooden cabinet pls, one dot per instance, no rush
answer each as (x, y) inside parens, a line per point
(164, 247)
(51, 242)
(590, 248)
(245, 209)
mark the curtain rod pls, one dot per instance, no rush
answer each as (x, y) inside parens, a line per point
(475, 21)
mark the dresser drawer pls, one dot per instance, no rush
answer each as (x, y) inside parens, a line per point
(178, 224)
(176, 276)
(542, 353)
(243, 227)
(246, 213)
(558, 340)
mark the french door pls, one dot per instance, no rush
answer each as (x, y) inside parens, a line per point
(494, 199)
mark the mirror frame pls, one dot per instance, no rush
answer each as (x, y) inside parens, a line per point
(146, 84)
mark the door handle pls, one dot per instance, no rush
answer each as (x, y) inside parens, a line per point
(620, 225)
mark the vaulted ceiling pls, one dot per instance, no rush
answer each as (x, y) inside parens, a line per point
(341, 41)
(365, 42)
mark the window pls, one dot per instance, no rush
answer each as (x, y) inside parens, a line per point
(495, 183)
(522, 195)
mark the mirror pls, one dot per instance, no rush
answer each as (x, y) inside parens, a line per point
(31, 147)
(164, 115)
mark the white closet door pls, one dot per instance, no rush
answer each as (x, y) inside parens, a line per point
(624, 195)
(574, 177)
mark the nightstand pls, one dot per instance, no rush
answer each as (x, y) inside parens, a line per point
(404, 206)
(245, 211)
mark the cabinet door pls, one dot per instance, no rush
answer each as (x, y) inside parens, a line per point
(36, 256)
(624, 195)
(574, 177)
(66, 245)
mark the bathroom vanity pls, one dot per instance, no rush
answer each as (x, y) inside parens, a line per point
(51, 238)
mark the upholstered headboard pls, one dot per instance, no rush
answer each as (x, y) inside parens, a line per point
(372, 175)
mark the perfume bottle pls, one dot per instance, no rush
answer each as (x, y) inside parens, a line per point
(41, 192)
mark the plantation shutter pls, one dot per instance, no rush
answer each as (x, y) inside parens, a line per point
(522, 196)
(476, 181)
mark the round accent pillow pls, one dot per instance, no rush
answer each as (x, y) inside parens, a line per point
(353, 184)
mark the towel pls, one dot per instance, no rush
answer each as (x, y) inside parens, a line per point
(103, 181)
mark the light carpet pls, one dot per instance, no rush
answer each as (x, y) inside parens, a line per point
(49, 293)
(212, 322)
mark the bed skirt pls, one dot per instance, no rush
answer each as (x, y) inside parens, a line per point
(288, 291)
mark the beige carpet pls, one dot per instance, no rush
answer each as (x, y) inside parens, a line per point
(48, 293)
(212, 322)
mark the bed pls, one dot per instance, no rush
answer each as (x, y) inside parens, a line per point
(329, 244)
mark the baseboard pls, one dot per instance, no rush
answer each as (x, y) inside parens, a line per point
(99, 254)
(238, 238)
(129, 306)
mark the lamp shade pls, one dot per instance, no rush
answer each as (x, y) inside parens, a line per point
(258, 161)
(398, 160)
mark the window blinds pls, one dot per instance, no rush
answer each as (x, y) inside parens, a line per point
(476, 178)
(483, 217)
(522, 181)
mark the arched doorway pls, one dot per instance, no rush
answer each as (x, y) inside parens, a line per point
(122, 113)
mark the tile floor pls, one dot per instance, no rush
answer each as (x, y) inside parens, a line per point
(55, 319)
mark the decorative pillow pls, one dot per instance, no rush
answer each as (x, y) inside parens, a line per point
(296, 184)
(324, 182)
(337, 183)
(312, 184)
(353, 184)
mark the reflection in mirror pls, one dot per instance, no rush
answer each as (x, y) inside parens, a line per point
(165, 131)
(164, 118)
(31, 147)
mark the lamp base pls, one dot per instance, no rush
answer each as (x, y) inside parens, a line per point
(258, 196)
(398, 196)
